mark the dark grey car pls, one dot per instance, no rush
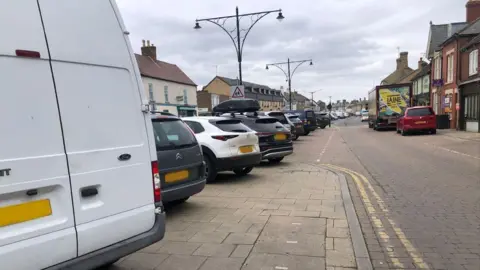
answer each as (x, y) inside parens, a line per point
(180, 159)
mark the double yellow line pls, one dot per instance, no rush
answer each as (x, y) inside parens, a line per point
(361, 181)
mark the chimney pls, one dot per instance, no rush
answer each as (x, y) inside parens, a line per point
(402, 61)
(149, 50)
(420, 63)
(473, 10)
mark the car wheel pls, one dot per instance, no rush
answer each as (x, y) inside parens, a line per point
(398, 131)
(243, 171)
(306, 133)
(275, 160)
(434, 131)
(294, 137)
(210, 170)
(323, 127)
(403, 132)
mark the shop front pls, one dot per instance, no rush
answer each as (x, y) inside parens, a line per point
(470, 106)
(185, 110)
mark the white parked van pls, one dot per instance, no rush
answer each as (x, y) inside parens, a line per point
(79, 184)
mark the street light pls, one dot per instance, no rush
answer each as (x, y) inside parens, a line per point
(241, 34)
(289, 74)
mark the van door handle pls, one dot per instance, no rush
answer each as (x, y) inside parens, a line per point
(89, 192)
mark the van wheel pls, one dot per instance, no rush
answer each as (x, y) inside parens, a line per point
(210, 169)
(275, 160)
(243, 171)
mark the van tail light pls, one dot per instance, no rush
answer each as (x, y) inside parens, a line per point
(25, 53)
(157, 194)
(224, 137)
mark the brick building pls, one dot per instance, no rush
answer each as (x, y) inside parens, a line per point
(469, 86)
(446, 64)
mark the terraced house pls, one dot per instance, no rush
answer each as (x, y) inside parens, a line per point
(270, 99)
(167, 87)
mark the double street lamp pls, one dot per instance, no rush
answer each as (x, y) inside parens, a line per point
(288, 73)
(237, 34)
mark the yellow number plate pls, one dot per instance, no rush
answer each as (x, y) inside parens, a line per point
(176, 176)
(19, 213)
(246, 149)
(421, 122)
(280, 137)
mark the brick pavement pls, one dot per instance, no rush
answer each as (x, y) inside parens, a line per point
(290, 216)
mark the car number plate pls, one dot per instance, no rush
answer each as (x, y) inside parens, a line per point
(23, 212)
(280, 137)
(246, 149)
(176, 176)
(421, 122)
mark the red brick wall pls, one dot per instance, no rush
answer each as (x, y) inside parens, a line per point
(473, 11)
(450, 85)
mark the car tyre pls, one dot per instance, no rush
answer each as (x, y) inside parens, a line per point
(294, 137)
(306, 133)
(107, 265)
(210, 169)
(433, 132)
(275, 160)
(403, 132)
(398, 131)
(323, 127)
(243, 171)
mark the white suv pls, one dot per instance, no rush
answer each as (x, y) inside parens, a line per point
(227, 144)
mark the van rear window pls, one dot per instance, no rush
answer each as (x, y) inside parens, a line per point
(231, 125)
(420, 112)
(279, 116)
(309, 114)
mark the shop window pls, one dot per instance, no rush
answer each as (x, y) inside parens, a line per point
(472, 107)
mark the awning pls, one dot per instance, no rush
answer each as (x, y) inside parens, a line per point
(187, 108)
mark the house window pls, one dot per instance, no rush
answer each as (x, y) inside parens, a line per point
(450, 68)
(165, 92)
(438, 68)
(215, 100)
(150, 92)
(472, 106)
(473, 63)
(185, 96)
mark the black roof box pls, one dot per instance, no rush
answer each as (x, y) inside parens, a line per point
(237, 105)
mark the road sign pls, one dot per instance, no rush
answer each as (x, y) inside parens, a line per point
(237, 91)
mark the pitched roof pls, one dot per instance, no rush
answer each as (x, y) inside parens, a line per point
(441, 32)
(397, 75)
(162, 70)
(474, 41)
(424, 71)
(233, 82)
(468, 30)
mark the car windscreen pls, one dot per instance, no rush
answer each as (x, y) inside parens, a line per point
(230, 125)
(172, 134)
(279, 116)
(419, 112)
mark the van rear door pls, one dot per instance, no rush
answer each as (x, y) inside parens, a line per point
(37, 226)
(105, 130)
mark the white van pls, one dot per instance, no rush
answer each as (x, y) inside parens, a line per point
(79, 184)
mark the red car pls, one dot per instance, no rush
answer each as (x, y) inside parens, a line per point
(417, 119)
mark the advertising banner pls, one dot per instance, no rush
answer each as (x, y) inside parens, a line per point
(393, 101)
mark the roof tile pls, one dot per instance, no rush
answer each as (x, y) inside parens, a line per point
(162, 70)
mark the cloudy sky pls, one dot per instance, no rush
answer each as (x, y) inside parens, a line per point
(353, 43)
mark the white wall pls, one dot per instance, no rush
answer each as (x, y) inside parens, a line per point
(174, 90)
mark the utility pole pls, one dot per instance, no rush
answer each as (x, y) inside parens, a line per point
(330, 112)
(312, 92)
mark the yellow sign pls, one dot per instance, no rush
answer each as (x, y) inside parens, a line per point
(391, 100)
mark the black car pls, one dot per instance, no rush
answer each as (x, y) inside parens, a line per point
(323, 120)
(308, 118)
(297, 122)
(182, 169)
(274, 139)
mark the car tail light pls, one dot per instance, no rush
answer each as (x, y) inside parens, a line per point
(224, 137)
(157, 194)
